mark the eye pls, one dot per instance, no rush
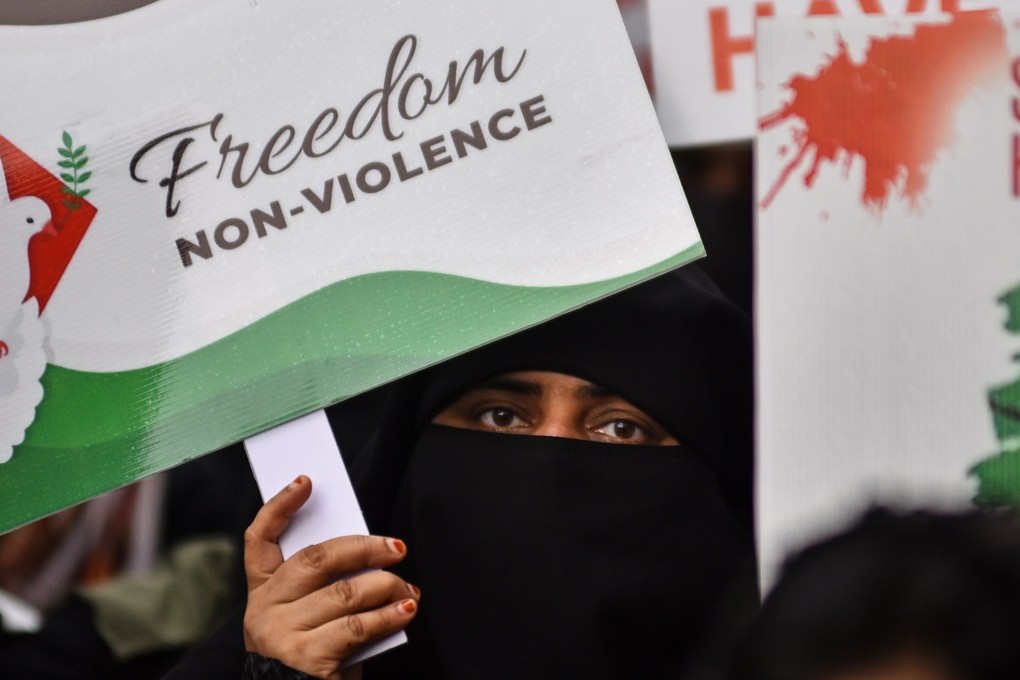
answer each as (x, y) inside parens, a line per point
(31, 220)
(622, 430)
(499, 418)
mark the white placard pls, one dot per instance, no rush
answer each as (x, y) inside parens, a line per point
(887, 235)
(218, 216)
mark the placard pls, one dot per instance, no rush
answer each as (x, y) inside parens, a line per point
(229, 214)
(887, 269)
(703, 53)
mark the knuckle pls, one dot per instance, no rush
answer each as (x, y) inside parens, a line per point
(356, 628)
(362, 544)
(345, 591)
(250, 536)
(260, 634)
(314, 557)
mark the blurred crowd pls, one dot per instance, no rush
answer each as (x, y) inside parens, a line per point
(122, 585)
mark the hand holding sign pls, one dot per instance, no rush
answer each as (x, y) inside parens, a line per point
(297, 613)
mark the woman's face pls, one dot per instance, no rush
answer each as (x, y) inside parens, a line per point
(551, 404)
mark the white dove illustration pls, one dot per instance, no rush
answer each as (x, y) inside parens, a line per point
(22, 334)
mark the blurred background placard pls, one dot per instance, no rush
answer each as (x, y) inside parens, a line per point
(887, 269)
(703, 57)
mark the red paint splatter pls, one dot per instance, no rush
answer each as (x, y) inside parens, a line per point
(895, 110)
(51, 250)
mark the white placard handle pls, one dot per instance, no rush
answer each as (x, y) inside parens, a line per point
(306, 446)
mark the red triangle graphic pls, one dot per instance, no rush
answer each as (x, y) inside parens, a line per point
(48, 254)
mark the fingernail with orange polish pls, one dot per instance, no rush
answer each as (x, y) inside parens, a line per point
(414, 590)
(396, 545)
(407, 607)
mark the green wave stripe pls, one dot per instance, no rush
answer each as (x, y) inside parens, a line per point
(97, 431)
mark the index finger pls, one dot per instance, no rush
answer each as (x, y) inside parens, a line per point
(315, 566)
(262, 556)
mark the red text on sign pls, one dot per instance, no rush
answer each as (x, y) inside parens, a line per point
(726, 46)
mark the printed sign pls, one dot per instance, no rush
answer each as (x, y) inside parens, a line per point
(219, 216)
(703, 52)
(888, 232)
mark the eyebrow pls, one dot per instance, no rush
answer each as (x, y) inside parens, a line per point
(530, 389)
(594, 392)
(522, 387)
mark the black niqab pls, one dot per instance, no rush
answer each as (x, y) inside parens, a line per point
(544, 557)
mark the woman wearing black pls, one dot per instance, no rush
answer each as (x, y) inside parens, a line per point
(542, 547)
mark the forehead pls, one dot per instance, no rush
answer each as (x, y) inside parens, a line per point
(544, 384)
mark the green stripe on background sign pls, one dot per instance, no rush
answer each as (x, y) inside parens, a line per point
(998, 480)
(98, 431)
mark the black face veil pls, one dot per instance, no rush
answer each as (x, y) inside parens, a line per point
(550, 558)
